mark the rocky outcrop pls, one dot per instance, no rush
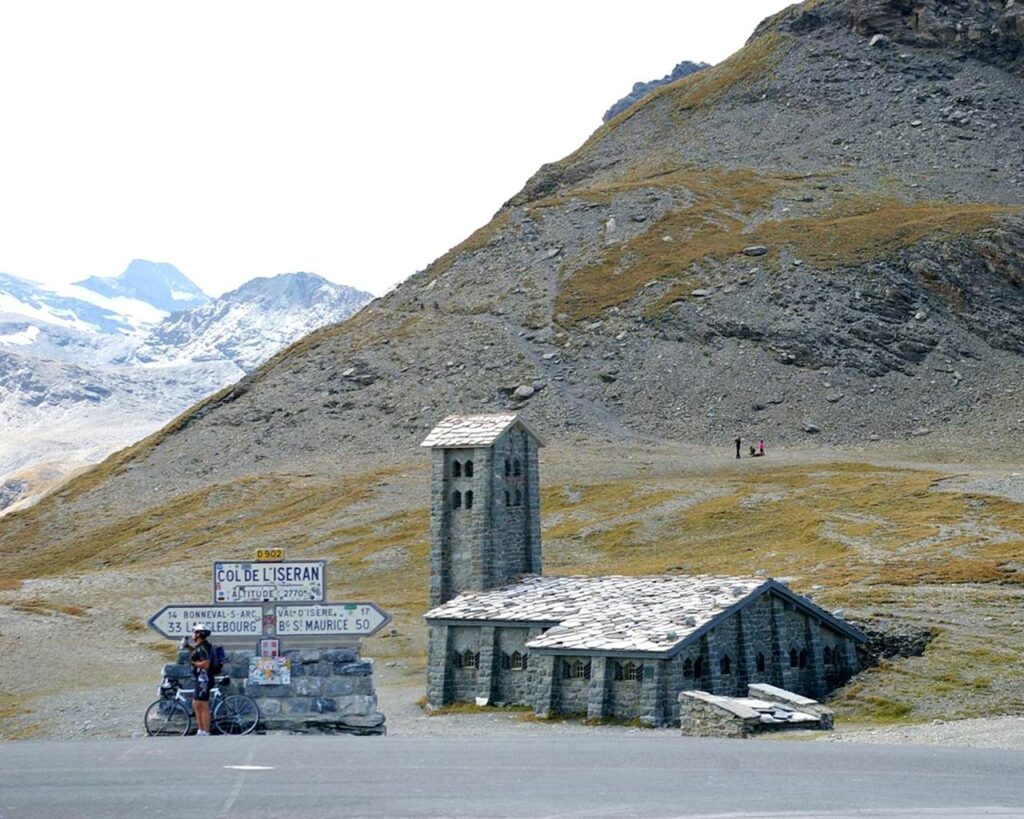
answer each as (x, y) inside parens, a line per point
(990, 31)
(642, 89)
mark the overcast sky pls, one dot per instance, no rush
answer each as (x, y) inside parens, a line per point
(357, 141)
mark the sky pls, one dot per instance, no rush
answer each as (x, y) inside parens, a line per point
(357, 141)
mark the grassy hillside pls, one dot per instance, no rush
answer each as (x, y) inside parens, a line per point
(881, 542)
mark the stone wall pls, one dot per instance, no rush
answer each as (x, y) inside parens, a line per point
(331, 690)
(702, 715)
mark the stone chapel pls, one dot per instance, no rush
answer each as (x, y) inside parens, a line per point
(502, 633)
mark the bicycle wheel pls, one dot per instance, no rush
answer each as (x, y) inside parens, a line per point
(236, 715)
(167, 718)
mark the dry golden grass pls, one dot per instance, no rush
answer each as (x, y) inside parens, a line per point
(864, 230)
(10, 584)
(46, 608)
(722, 220)
(723, 202)
(791, 523)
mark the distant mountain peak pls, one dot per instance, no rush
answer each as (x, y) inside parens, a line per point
(157, 283)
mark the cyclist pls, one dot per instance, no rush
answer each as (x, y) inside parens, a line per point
(200, 659)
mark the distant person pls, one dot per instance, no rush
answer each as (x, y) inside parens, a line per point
(200, 659)
(760, 448)
(738, 442)
(753, 451)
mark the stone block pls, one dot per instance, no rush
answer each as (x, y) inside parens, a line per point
(310, 655)
(371, 720)
(183, 656)
(176, 672)
(308, 686)
(321, 669)
(270, 690)
(358, 669)
(340, 685)
(356, 705)
(240, 670)
(241, 656)
(339, 655)
(269, 708)
(296, 705)
(323, 705)
(300, 670)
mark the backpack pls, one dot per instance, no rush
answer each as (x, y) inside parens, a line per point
(218, 659)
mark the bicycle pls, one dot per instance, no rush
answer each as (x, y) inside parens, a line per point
(171, 715)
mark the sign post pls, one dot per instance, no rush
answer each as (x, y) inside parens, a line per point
(259, 602)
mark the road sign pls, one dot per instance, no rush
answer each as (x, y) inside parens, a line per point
(270, 554)
(331, 619)
(224, 621)
(288, 581)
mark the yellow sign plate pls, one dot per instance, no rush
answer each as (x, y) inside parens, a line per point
(270, 554)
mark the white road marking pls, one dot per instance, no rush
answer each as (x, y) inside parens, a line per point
(249, 767)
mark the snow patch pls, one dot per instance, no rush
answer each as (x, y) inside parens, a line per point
(26, 336)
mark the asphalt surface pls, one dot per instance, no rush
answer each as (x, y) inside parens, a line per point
(647, 775)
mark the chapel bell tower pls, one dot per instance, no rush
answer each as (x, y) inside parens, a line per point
(485, 503)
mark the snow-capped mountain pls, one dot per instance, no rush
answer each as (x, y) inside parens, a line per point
(250, 324)
(157, 283)
(88, 368)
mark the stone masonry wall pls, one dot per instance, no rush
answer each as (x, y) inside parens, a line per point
(330, 690)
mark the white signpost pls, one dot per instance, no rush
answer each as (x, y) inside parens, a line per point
(299, 581)
(231, 622)
(257, 603)
(330, 620)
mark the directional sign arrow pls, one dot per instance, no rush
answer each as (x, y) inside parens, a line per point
(341, 619)
(224, 621)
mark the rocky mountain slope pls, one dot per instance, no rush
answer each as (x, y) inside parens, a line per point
(818, 241)
(92, 367)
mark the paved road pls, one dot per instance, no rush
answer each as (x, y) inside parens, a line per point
(646, 775)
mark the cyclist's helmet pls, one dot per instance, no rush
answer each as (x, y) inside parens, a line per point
(201, 629)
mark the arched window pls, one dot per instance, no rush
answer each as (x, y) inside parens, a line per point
(469, 499)
(517, 468)
(517, 661)
(469, 469)
(794, 658)
(575, 670)
(827, 655)
(725, 664)
(760, 663)
(456, 499)
(688, 668)
(456, 469)
(632, 671)
(803, 658)
(470, 659)
(698, 668)
(508, 467)
(508, 498)
(519, 498)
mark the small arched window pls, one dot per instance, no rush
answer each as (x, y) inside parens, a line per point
(725, 664)
(827, 655)
(469, 469)
(794, 658)
(470, 659)
(517, 661)
(688, 668)
(456, 469)
(469, 499)
(519, 498)
(803, 658)
(508, 498)
(517, 468)
(698, 668)
(633, 671)
(760, 663)
(508, 467)
(456, 499)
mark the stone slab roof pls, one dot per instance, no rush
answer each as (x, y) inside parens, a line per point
(615, 614)
(473, 430)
